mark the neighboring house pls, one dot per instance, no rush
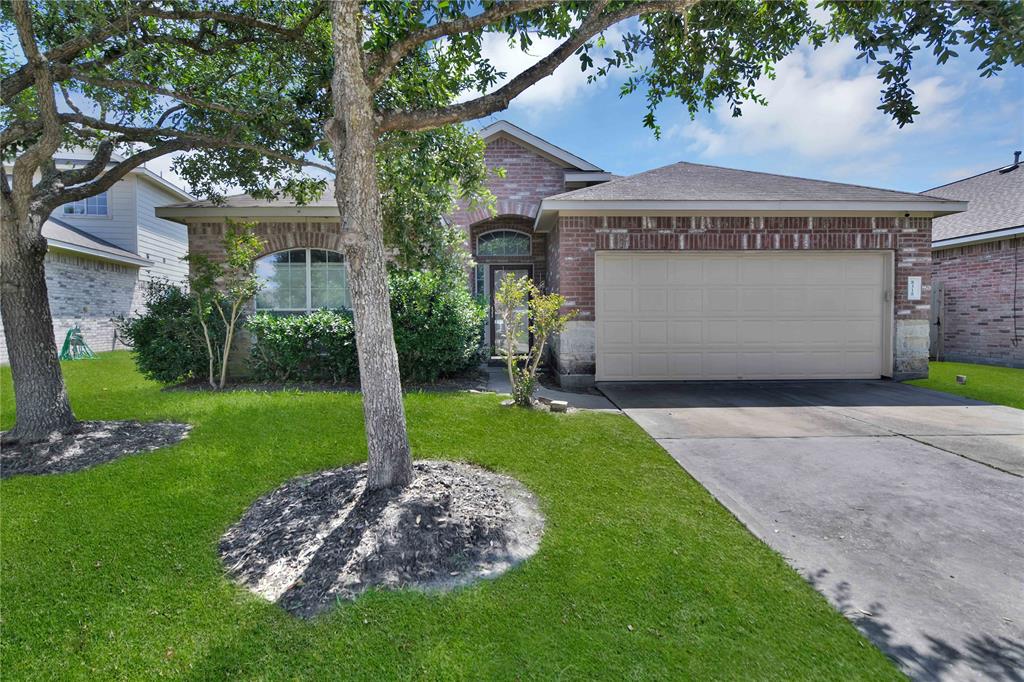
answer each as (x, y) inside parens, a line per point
(680, 273)
(978, 270)
(103, 250)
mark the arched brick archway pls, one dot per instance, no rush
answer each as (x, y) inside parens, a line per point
(207, 238)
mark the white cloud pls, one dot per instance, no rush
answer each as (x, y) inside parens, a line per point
(553, 92)
(822, 105)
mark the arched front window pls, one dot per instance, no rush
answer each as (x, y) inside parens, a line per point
(302, 280)
(503, 243)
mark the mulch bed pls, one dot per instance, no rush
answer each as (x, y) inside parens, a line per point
(321, 538)
(89, 444)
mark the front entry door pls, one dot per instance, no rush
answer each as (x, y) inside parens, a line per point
(498, 272)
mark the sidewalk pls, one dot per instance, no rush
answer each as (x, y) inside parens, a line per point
(497, 381)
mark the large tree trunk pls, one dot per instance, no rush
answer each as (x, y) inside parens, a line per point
(41, 400)
(354, 137)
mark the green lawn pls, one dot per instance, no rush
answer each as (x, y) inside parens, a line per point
(999, 385)
(113, 572)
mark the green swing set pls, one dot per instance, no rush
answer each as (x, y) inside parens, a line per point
(75, 347)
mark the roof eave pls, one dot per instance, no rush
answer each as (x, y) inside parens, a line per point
(992, 236)
(551, 209)
(180, 213)
(97, 253)
(514, 131)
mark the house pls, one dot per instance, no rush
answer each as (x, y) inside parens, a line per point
(685, 272)
(102, 251)
(978, 270)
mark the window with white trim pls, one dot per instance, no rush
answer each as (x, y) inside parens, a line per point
(96, 205)
(503, 243)
(302, 280)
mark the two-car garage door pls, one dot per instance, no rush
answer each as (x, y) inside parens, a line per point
(749, 315)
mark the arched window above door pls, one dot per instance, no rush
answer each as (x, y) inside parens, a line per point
(302, 280)
(503, 243)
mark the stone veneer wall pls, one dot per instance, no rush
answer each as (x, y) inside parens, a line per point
(89, 293)
(982, 316)
(577, 239)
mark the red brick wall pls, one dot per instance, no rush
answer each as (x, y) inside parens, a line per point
(529, 178)
(579, 237)
(207, 237)
(977, 316)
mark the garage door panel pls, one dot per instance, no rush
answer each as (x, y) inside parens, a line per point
(686, 332)
(744, 316)
(687, 301)
(616, 332)
(616, 270)
(652, 300)
(719, 301)
(757, 301)
(721, 270)
(617, 301)
(652, 332)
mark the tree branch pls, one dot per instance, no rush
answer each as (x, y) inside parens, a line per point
(595, 22)
(23, 78)
(32, 158)
(151, 135)
(129, 84)
(52, 200)
(90, 170)
(382, 67)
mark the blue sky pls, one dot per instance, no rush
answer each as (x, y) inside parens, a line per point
(821, 122)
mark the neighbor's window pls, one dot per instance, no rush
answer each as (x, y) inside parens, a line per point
(503, 243)
(302, 280)
(96, 205)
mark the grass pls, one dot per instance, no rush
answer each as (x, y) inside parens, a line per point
(999, 385)
(113, 572)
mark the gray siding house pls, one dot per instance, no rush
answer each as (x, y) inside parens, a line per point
(102, 252)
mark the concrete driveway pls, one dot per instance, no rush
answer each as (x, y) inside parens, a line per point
(903, 506)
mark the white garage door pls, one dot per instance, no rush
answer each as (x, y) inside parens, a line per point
(717, 315)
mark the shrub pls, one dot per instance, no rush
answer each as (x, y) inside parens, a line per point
(320, 346)
(437, 332)
(167, 343)
(437, 324)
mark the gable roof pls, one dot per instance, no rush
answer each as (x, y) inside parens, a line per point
(247, 206)
(543, 147)
(74, 157)
(995, 205)
(695, 187)
(66, 237)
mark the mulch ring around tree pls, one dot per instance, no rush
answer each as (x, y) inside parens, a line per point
(321, 538)
(89, 444)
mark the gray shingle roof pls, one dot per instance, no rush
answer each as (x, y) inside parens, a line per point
(62, 235)
(995, 202)
(698, 182)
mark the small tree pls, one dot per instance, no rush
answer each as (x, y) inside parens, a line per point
(523, 307)
(225, 287)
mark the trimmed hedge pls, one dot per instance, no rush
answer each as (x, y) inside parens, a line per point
(437, 324)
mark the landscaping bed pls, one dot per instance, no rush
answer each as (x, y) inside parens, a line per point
(114, 572)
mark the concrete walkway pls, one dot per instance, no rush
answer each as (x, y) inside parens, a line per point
(497, 381)
(876, 492)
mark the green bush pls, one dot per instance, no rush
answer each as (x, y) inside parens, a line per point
(166, 342)
(320, 346)
(437, 331)
(437, 325)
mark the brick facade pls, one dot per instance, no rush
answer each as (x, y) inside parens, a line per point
(980, 296)
(577, 239)
(529, 178)
(539, 245)
(91, 294)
